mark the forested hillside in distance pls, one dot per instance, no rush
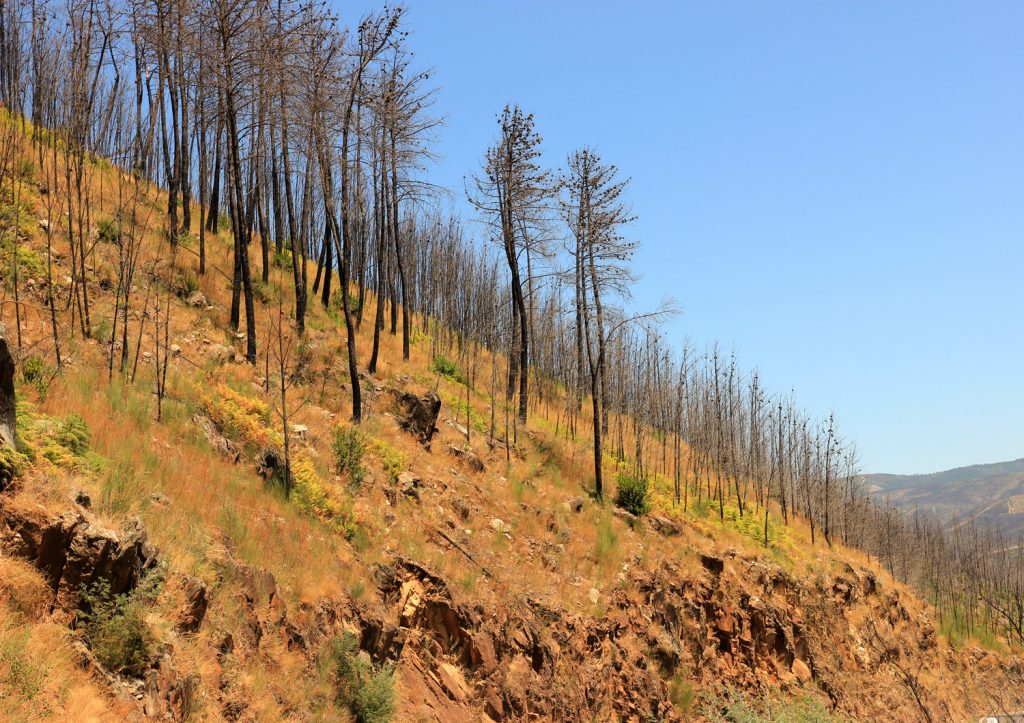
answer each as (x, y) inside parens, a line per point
(989, 494)
(379, 452)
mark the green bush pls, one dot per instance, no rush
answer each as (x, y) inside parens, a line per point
(11, 465)
(349, 446)
(631, 494)
(109, 230)
(115, 629)
(443, 366)
(35, 373)
(682, 694)
(185, 283)
(26, 169)
(73, 435)
(366, 690)
(283, 258)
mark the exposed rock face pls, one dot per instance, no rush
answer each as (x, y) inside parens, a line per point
(420, 414)
(196, 603)
(71, 549)
(218, 441)
(8, 428)
(469, 457)
(455, 661)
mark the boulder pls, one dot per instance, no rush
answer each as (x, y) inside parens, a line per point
(469, 457)
(409, 485)
(419, 414)
(197, 300)
(219, 352)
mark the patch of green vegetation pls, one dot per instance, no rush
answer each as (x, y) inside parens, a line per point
(751, 525)
(367, 691)
(17, 224)
(109, 230)
(25, 169)
(115, 627)
(631, 494)
(955, 629)
(607, 540)
(119, 489)
(185, 283)
(737, 708)
(12, 464)
(447, 368)
(264, 293)
(349, 446)
(247, 421)
(62, 442)
(682, 694)
(392, 461)
(283, 258)
(22, 678)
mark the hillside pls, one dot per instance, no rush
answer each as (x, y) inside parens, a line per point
(154, 564)
(991, 494)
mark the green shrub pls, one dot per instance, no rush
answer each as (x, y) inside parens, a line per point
(263, 293)
(631, 494)
(26, 169)
(283, 258)
(23, 677)
(682, 695)
(366, 690)
(35, 373)
(109, 230)
(393, 461)
(73, 435)
(11, 465)
(445, 367)
(115, 629)
(349, 446)
(185, 283)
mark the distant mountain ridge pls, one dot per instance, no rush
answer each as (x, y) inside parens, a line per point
(989, 493)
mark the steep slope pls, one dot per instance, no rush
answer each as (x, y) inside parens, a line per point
(992, 494)
(157, 568)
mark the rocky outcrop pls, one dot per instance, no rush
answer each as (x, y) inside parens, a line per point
(72, 550)
(419, 414)
(468, 456)
(455, 660)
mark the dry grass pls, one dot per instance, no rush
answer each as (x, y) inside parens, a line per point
(202, 510)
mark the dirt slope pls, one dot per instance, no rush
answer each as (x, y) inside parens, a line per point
(484, 576)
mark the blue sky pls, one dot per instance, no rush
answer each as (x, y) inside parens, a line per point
(836, 189)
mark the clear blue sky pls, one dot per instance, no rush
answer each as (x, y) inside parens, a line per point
(834, 188)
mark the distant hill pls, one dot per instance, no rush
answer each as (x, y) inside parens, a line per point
(992, 493)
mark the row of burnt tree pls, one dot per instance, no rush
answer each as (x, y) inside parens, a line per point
(308, 141)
